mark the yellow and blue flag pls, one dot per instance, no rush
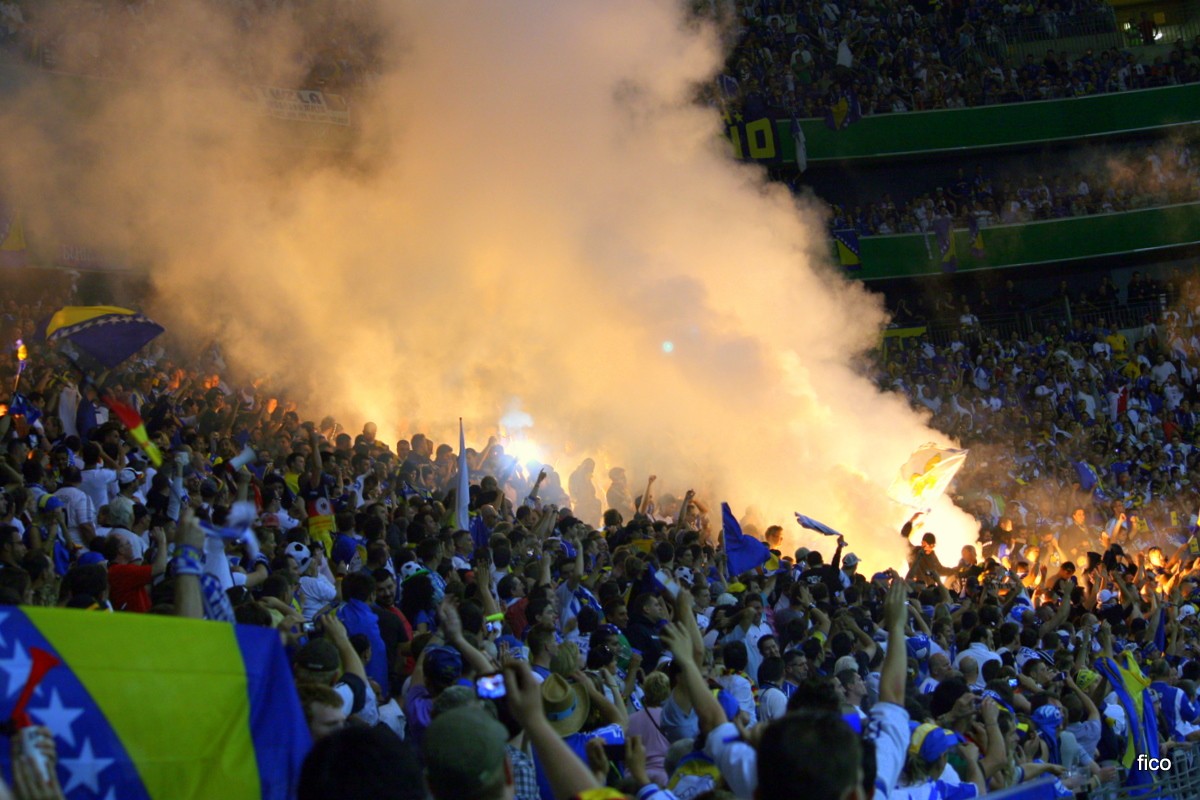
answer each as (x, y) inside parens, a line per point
(844, 111)
(926, 475)
(976, 237)
(846, 241)
(12, 238)
(943, 228)
(108, 334)
(154, 707)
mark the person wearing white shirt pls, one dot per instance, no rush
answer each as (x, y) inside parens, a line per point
(1162, 370)
(97, 482)
(1172, 394)
(81, 513)
(978, 650)
(749, 628)
(793, 745)
(316, 590)
(939, 670)
(855, 689)
(736, 680)
(772, 702)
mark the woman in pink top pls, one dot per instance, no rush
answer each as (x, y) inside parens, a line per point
(647, 724)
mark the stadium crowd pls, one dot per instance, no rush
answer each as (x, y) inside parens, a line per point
(571, 643)
(1160, 176)
(797, 59)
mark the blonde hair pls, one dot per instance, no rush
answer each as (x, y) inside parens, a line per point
(566, 661)
(657, 688)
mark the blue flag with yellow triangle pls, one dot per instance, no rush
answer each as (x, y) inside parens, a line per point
(976, 237)
(943, 228)
(155, 707)
(844, 111)
(109, 334)
(846, 241)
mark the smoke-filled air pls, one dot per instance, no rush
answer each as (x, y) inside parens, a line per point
(534, 220)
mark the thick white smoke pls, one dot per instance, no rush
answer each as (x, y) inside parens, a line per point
(534, 208)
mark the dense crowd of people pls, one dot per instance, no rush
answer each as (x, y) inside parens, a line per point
(1077, 416)
(578, 638)
(797, 59)
(1160, 176)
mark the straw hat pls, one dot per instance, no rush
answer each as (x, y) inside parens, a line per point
(566, 704)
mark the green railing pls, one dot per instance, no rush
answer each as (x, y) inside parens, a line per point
(910, 255)
(924, 132)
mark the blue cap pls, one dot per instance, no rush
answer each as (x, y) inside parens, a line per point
(931, 742)
(344, 549)
(445, 663)
(728, 704)
(91, 557)
(49, 502)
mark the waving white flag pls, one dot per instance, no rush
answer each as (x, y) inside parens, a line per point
(926, 474)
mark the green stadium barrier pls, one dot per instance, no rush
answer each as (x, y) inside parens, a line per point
(912, 255)
(949, 130)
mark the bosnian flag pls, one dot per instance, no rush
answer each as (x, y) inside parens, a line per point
(926, 475)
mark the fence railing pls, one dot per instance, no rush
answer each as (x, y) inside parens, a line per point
(1060, 26)
(1181, 781)
(1038, 319)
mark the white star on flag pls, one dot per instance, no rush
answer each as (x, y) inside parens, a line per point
(57, 717)
(85, 770)
(16, 668)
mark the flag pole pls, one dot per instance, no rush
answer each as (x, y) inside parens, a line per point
(22, 357)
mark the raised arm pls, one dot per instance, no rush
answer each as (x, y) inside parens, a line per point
(996, 755)
(189, 602)
(610, 712)
(1088, 706)
(893, 675)
(452, 628)
(675, 638)
(545, 523)
(336, 632)
(642, 506)
(483, 584)
(683, 509)
(865, 642)
(160, 552)
(685, 615)
(567, 774)
(537, 485)
(1060, 616)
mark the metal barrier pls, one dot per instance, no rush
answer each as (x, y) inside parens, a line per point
(999, 327)
(1041, 27)
(1180, 782)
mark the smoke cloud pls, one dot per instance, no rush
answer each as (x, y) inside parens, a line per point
(534, 217)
